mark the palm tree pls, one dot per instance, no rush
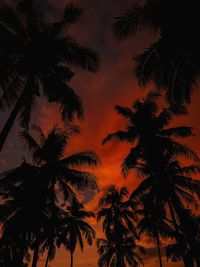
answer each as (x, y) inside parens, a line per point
(172, 61)
(55, 176)
(48, 153)
(147, 128)
(24, 210)
(180, 250)
(153, 222)
(37, 64)
(171, 185)
(76, 228)
(117, 211)
(119, 252)
(52, 237)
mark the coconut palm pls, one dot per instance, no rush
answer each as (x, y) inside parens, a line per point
(77, 228)
(116, 211)
(24, 210)
(52, 237)
(172, 61)
(153, 223)
(35, 56)
(171, 186)
(147, 128)
(119, 252)
(48, 153)
(180, 250)
(55, 175)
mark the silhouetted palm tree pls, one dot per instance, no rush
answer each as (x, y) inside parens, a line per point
(119, 252)
(76, 228)
(24, 210)
(53, 174)
(147, 129)
(52, 236)
(48, 153)
(180, 250)
(153, 223)
(34, 59)
(171, 186)
(117, 211)
(172, 61)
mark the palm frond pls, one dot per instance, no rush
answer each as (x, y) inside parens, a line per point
(59, 92)
(80, 56)
(81, 180)
(119, 136)
(131, 160)
(86, 158)
(182, 131)
(71, 15)
(136, 18)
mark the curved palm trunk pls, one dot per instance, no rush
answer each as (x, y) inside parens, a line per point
(158, 247)
(72, 260)
(11, 119)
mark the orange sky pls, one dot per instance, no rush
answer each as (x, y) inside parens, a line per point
(114, 84)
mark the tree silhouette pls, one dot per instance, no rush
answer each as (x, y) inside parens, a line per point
(172, 61)
(76, 228)
(119, 252)
(153, 222)
(171, 186)
(119, 248)
(55, 176)
(38, 62)
(154, 156)
(48, 153)
(24, 210)
(116, 211)
(147, 128)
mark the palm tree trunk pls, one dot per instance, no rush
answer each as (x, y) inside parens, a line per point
(11, 119)
(158, 246)
(72, 260)
(35, 255)
(47, 259)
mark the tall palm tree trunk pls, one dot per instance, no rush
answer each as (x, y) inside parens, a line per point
(11, 119)
(158, 247)
(47, 259)
(35, 255)
(72, 260)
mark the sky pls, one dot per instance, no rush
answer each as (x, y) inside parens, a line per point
(115, 83)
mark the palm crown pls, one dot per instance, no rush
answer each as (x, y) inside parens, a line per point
(48, 154)
(147, 128)
(172, 61)
(38, 62)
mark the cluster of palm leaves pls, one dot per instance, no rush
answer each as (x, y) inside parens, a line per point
(168, 193)
(35, 60)
(39, 210)
(119, 247)
(172, 61)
